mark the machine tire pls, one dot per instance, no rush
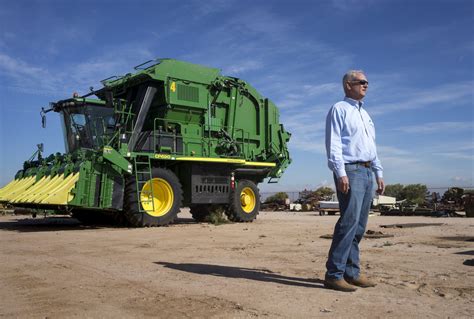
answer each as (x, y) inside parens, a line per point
(161, 208)
(244, 203)
(200, 212)
(120, 219)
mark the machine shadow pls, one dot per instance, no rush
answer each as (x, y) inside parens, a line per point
(264, 275)
(184, 220)
(62, 223)
(43, 224)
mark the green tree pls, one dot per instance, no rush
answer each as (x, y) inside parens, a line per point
(394, 190)
(414, 193)
(278, 198)
(323, 193)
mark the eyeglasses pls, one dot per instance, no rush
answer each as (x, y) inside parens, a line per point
(361, 82)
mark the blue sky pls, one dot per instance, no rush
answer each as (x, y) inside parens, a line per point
(417, 55)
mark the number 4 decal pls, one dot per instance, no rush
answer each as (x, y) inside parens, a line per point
(173, 86)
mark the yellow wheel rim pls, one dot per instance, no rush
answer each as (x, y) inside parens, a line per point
(157, 197)
(248, 200)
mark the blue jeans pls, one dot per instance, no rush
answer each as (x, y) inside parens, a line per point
(343, 260)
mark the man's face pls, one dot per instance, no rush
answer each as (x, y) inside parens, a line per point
(357, 87)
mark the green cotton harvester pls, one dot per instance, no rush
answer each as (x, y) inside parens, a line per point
(171, 134)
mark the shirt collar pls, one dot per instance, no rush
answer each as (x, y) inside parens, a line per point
(353, 102)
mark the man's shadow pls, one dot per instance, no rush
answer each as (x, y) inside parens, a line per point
(264, 275)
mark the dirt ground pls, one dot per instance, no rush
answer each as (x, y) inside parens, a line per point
(271, 268)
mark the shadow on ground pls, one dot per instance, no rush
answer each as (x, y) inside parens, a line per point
(264, 275)
(468, 262)
(43, 224)
(468, 252)
(62, 223)
(458, 238)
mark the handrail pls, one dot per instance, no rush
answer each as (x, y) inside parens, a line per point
(205, 142)
(111, 77)
(138, 67)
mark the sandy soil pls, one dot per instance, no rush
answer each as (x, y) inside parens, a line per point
(271, 268)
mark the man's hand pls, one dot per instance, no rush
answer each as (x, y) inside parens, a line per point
(343, 184)
(380, 186)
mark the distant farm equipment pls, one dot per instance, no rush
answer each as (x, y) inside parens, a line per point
(452, 203)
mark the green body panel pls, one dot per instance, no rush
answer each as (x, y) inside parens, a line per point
(166, 70)
(95, 185)
(210, 103)
(116, 158)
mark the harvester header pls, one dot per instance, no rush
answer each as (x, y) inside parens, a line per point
(171, 134)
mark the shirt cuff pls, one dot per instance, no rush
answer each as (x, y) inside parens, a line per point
(340, 172)
(378, 174)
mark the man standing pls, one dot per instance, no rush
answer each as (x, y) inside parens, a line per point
(352, 156)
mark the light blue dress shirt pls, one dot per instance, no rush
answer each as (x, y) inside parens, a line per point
(350, 137)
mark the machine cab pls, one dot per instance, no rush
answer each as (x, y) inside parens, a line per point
(87, 123)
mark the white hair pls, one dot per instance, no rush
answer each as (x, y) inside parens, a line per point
(350, 76)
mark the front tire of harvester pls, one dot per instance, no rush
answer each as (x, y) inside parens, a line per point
(120, 219)
(199, 212)
(244, 202)
(159, 202)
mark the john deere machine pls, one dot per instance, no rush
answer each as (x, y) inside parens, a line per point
(170, 134)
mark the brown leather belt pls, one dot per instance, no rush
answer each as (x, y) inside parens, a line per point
(365, 164)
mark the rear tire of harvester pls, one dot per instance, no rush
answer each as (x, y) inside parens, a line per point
(200, 212)
(159, 202)
(244, 202)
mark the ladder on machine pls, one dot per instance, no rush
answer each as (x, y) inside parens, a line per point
(143, 174)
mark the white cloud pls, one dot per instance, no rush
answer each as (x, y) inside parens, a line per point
(462, 180)
(422, 164)
(398, 162)
(444, 127)
(318, 89)
(260, 21)
(352, 5)
(208, 7)
(462, 151)
(457, 155)
(243, 66)
(435, 97)
(262, 37)
(307, 144)
(398, 158)
(58, 80)
(25, 77)
(307, 128)
(392, 151)
(296, 94)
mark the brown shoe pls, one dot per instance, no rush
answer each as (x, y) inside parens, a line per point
(338, 284)
(362, 282)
